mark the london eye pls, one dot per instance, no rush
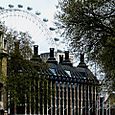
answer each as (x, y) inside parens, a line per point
(24, 20)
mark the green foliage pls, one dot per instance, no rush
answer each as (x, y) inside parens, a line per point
(20, 75)
(90, 27)
(25, 41)
(24, 75)
(27, 75)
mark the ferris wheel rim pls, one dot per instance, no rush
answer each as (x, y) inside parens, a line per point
(17, 12)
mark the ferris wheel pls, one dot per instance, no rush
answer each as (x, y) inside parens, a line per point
(25, 18)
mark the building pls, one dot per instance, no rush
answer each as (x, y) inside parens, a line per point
(76, 87)
(71, 90)
(3, 74)
(57, 54)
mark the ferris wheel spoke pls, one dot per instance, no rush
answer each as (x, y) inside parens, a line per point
(33, 18)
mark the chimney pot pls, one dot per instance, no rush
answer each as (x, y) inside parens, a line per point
(51, 52)
(60, 58)
(66, 55)
(17, 46)
(35, 49)
(82, 57)
(51, 58)
(67, 61)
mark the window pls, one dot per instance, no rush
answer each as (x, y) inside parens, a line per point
(53, 71)
(68, 72)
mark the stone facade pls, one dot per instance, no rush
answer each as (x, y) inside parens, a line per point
(3, 75)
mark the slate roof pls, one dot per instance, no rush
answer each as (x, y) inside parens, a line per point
(65, 72)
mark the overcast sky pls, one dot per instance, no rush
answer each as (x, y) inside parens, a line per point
(39, 33)
(46, 7)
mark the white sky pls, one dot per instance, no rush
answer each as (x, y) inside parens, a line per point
(47, 8)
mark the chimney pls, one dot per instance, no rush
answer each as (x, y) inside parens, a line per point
(52, 52)
(67, 60)
(16, 44)
(51, 59)
(60, 59)
(82, 57)
(67, 55)
(82, 63)
(36, 58)
(36, 50)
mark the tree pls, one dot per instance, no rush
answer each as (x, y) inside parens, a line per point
(27, 80)
(90, 27)
(20, 76)
(25, 40)
(25, 77)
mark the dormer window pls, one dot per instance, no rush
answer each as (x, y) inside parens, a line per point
(68, 72)
(53, 71)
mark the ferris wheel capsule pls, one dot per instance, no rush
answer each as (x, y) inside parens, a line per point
(37, 13)
(20, 6)
(45, 20)
(11, 6)
(56, 39)
(29, 8)
(51, 28)
(1, 8)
